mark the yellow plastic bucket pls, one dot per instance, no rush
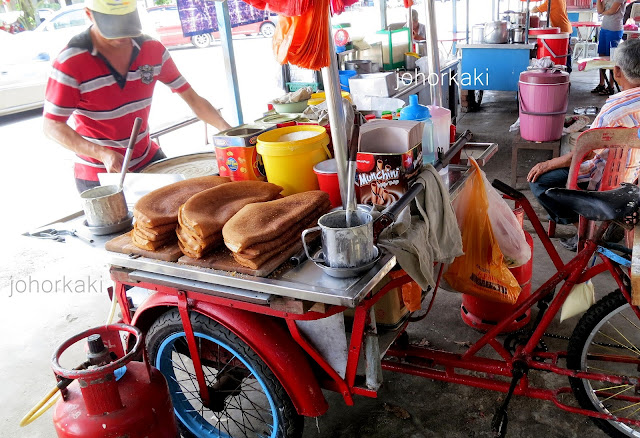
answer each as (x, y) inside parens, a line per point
(289, 164)
(318, 98)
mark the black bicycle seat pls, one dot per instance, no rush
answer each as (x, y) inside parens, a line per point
(620, 204)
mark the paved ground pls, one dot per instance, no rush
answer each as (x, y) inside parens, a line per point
(35, 321)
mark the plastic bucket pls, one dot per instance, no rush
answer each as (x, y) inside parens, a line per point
(344, 78)
(554, 45)
(289, 163)
(543, 101)
(327, 173)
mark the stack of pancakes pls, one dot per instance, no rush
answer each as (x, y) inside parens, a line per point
(260, 232)
(156, 213)
(202, 217)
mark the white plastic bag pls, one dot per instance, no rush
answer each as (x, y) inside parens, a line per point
(581, 297)
(507, 230)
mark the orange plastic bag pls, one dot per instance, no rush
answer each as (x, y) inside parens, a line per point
(303, 40)
(481, 271)
(411, 292)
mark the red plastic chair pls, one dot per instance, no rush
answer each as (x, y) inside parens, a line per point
(619, 141)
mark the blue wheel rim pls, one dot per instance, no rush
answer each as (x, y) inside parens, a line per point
(181, 396)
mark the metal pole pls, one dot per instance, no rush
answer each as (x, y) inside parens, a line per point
(526, 25)
(222, 12)
(337, 119)
(454, 8)
(382, 9)
(432, 53)
(467, 22)
(549, 14)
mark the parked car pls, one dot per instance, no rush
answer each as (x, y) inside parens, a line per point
(23, 76)
(26, 57)
(171, 32)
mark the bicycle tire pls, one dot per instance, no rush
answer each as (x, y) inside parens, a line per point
(166, 339)
(600, 327)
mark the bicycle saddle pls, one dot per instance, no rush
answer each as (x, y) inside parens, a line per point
(620, 204)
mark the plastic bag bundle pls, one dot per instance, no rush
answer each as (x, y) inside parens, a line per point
(303, 40)
(481, 271)
(508, 232)
(289, 8)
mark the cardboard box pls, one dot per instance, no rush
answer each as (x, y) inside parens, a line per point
(382, 84)
(389, 158)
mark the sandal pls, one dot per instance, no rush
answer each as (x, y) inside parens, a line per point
(607, 92)
(598, 89)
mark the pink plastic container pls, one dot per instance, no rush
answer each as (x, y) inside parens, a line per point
(543, 99)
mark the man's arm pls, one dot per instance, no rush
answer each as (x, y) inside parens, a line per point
(546, 166)
(70, 139)
(540, 8)
(204, 110)
(612, 10)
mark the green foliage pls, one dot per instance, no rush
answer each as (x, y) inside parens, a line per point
(163, 2)
(28, 17)
(48, 5)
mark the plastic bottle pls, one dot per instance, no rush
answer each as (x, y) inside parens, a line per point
(415, 111)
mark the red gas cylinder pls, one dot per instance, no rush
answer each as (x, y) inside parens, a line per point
(483, 315)
(111, 397)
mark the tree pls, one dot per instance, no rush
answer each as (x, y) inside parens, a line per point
(28, 19)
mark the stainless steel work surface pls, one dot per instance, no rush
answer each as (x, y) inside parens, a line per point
(305, 282)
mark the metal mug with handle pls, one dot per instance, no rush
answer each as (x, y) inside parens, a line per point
(342, 246)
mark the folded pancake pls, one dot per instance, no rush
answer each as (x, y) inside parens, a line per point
(196, 244)
(263, 247)
(257, 262)
(257, 223)
(150, 245)
(155, 231)
(160, 207)
(206, 213)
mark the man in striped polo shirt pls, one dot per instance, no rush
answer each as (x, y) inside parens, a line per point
(105, 78)
(620, 110)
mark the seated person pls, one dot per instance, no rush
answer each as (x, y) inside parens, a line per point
(620, 110)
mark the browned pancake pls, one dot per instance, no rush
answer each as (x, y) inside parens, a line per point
(257, 223)
(155, 231)
(263, 247)
(160, 207)
(143, 237)
(195, 243)
(206, 212)
(148, 244)
(145, 234)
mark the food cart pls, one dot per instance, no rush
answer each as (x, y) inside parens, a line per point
(240, 355)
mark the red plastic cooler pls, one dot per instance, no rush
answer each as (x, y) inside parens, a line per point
(543, 97)
(555, 45)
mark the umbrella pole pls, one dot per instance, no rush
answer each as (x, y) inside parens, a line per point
(337, 119)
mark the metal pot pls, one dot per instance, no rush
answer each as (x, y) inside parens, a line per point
(496, 32)
(410, 62)
(477, 34)
(517, 35)
(421, 48)
(344, 246)
(104, 205)
(359, 65)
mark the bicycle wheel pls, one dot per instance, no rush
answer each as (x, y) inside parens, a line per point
(610, 327)
(246, 400)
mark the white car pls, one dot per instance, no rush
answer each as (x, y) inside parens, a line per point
(26, 57)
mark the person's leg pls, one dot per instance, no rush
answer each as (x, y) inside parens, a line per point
(603, 50)
(557, 211)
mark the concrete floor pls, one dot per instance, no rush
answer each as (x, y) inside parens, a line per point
(434, 409)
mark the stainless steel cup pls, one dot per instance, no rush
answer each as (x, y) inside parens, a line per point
(344, 246)
(104, 205)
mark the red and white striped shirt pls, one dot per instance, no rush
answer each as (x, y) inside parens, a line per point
(104, 103)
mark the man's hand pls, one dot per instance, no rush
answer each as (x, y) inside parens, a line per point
(112, 160)
(538, 170)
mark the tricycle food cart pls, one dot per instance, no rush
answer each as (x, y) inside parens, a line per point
(241, 359)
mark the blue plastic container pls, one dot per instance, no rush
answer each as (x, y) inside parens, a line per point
(344, 78)
(420, 113)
